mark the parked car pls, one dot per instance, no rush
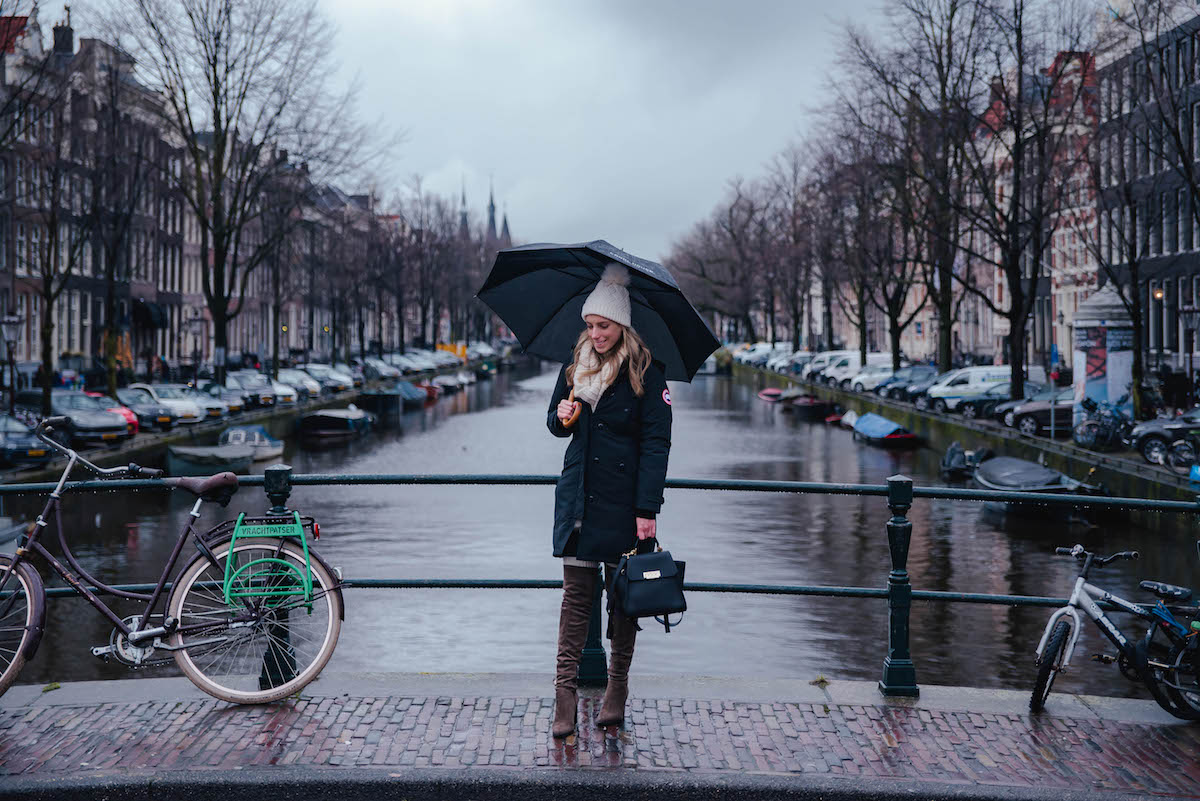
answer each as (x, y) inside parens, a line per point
(254, 385)
(18, 445)
(896, 385)
(981, 407)
(305, 385)
(213, 407)
(113, 405)
(284, 394)
(751, 352)
(969, 382)
(88, 424)
(870, 377)
(234, 399)
(330, 380)
(1151, 438)
(376, 369)
(842, 369)
(174, 396)
(150, 413)
(1003, 412)
(918, 392)
(819, 362)
(357, 378)
(1033, 417)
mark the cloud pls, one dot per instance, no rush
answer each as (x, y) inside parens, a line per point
(620, 119)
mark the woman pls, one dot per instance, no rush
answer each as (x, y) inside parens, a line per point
(611, 484)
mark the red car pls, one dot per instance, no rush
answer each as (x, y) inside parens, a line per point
(111, 405)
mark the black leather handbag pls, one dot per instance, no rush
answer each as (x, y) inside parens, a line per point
(648, 584)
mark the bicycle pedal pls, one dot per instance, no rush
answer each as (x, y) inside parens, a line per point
(1106, 659)
(102, 652)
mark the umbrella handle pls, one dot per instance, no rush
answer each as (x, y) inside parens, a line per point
(578, 410)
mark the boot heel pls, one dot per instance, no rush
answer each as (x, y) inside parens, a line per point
(566, 710)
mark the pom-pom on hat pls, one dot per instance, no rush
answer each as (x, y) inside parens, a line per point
(610, 298)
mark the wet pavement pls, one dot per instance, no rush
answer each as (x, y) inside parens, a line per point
(404, 733)
(721, 431)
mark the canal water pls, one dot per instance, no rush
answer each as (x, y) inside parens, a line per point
(721, 430)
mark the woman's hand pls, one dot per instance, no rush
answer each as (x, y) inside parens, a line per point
(566, 409)
(645, 528)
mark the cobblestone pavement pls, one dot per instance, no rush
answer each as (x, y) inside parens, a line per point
(874, 741)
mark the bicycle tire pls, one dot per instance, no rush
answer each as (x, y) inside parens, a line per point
(1158, 680)
(1087, 434)
(1049, 665)
(1182, 680)
(1180, 457)
(267, 660)
(22, 618)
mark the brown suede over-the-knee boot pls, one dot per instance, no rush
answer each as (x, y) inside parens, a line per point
(624, 634)
(579, 587)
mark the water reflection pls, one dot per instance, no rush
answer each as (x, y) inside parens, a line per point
(721, 431)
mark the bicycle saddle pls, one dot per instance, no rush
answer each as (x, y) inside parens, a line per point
(219, 487)
(1168, 592)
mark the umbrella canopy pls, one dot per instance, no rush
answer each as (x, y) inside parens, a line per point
(539, 290)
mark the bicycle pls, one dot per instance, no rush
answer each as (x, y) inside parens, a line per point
(1106, 427)
(1183, 453)
(1058, 641)
(253, 617)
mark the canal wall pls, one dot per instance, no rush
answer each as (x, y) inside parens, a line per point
(1122, 475)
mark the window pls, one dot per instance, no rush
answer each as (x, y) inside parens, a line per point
(1182, 228)
(1186, 298)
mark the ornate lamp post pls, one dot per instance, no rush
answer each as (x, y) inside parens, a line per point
(10, 326)
(1158, 295)
(196, 326)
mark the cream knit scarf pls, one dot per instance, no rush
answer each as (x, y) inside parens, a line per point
(593, 376)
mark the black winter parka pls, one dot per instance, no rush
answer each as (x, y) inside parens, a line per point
(615, 465)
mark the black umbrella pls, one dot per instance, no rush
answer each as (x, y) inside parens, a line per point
(539, 290)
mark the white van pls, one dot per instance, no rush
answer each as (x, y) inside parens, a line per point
(841, 370)
(971, 382)
(813, 369)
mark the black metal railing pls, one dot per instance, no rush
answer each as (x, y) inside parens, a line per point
(899, 671)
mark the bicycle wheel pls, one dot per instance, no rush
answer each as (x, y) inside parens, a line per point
(1159, 680)
(1180, 457)
(1087, 434)
(1182, 679)
(1049, 665)
(259, 647)
(22, 616)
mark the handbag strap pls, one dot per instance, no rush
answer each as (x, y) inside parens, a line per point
(666, 621)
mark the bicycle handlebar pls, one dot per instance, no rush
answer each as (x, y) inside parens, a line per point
(1079, 553)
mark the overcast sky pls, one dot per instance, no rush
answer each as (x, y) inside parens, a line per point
(614, 119)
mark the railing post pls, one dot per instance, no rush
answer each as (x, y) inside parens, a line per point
(899, 674)
(277, 483)
(593, 667)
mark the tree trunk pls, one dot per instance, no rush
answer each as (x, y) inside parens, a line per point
(894, 334)
(47, 323)
(945, 301)
(1016, 352)
(751, 336)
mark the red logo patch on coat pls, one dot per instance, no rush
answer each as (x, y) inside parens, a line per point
(667, 396)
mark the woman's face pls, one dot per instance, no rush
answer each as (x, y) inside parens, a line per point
(604, 333)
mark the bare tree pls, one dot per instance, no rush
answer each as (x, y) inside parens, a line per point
(1026, 145)
(241, 81)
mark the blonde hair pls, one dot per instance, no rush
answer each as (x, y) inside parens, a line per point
(631, 349)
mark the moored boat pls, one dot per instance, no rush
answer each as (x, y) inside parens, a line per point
(770, 394)
(265, 446)
(807, 407)
(879, 430)
(208, 459)
(331, 427)
(1009, 474)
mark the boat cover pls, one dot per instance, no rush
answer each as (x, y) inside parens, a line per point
(215, 455)
(255, 435)
(873, 426)
(849, 418)
(1009, 473)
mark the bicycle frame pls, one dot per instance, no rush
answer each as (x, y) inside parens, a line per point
(1084, 597)
(141, 633)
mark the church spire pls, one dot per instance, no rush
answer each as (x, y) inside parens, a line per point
(491, 224)
(505, 237)
(463, 228)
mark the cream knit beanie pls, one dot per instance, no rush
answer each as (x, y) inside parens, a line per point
(610, 298)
